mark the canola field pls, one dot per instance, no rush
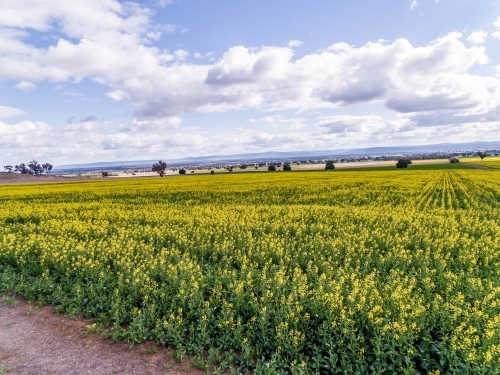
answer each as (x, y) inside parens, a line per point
(369, 272)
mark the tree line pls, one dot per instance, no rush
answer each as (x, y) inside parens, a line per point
(30, 168)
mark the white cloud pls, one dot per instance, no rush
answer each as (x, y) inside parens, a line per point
(160, 124)
(111, 43)
(497, 24)
(353, 124)
(163, 84)
(295, 43)
(6, 112)
(477, 37)
(413, 4)
(25, 86)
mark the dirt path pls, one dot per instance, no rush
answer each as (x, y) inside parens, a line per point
(476, 166)
(38, 342)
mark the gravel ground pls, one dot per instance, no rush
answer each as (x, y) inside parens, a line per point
(37, 341)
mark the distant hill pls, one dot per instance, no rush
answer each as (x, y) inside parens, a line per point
(276, 155)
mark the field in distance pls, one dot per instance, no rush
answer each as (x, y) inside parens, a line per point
(282, 273)
(489, 161)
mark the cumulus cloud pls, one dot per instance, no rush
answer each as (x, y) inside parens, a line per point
(163, 84)
(477, 37)
(112, 43)
(353, 124)
(25, 86)
(413, 4)
(6, 112)
(295, 43)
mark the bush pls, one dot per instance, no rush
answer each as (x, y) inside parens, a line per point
(212, 171)
(454, 160)
(105, 174)
(329, 165)
(287, 167)
(182, 171)
(403, 163)
(271, 168)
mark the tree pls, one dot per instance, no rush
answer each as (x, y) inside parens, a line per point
(159, 168)
(287, 166)
(8, 168)
(212, 172)
(47, 167)
(482, 155)
(182, 171)
(23, 169)
(35, 167)
(105, 174)
(403, 163)
(330, 166)
(271, 168)
(454, 160)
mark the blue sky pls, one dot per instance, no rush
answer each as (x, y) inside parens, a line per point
(102, 80)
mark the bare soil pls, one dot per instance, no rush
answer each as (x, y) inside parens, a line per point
(37, 341)
(17, 178)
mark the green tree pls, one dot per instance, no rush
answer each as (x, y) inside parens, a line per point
(159, 168)
(287, 166)
(8, 168)
(35, 167)
(403, 163)
(271, 168)
(482, 155)
(329, 165)
(23, 169)
(47, 167)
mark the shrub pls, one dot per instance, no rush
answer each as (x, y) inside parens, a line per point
(271, 168)
(403, 163)
(329, 165)
(182, 171)
(454, 160)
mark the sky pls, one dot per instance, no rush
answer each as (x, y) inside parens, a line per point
(109, 80)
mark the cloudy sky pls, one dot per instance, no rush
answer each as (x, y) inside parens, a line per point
(103, 80)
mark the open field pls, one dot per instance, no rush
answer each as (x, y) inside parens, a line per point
(377, 272)
(489, 161)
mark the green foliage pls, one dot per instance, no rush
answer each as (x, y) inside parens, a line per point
(403, 163)
(271, 168)
(159, 168)
(329, 165)
(287, 167)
